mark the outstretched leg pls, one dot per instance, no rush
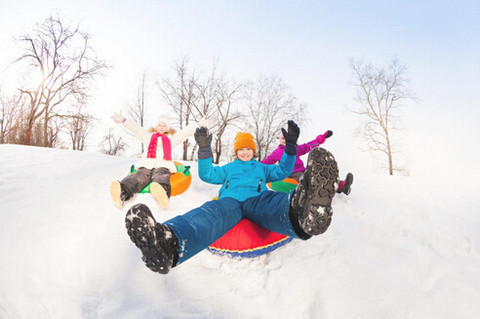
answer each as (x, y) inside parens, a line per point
(305, 212)
(130, 185)
(165, 245)
(202, 226)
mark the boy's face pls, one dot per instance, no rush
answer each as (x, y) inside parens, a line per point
(282, 140)
(162, 128)
(245, 154)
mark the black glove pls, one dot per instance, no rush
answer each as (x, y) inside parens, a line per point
(329, 133)
(291, 137)
(203, 139)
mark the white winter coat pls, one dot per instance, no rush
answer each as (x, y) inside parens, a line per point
(144, 136)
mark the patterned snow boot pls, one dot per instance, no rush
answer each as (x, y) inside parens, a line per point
(345, 185)
(157, 242)
(310, 204)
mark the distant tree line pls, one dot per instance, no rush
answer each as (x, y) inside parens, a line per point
(58, 67)
(261, 106)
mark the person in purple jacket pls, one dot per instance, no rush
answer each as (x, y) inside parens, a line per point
(302, 149)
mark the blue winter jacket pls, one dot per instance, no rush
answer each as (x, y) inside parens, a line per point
(241, 180)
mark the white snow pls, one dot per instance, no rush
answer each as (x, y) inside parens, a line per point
(398, 247)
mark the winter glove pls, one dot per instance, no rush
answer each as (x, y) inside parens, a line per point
(322, 137)
(291, 137)
(203, 139)
(118, 117)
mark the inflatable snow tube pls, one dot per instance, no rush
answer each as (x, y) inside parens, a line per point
(249, 240)
(179, 181)
(284, 186)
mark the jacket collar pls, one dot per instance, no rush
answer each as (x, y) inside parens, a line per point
(250, 162)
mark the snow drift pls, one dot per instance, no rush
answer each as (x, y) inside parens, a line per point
(398, 247)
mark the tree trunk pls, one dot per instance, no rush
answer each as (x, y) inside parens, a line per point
(218, 150)
(46, 142)
(27, 138)
(185, 150)
(390, 160)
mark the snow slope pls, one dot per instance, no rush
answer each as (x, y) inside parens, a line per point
(398, 247)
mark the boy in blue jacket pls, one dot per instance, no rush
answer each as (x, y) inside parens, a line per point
(304, 212)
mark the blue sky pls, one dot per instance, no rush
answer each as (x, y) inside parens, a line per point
(307, 43)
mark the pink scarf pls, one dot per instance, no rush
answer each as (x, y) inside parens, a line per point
(167, 147)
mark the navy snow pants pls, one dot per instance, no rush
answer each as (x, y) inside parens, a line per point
(202, 226)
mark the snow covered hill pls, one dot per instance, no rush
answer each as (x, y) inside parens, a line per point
(398, 247)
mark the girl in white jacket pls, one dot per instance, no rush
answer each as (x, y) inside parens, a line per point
(156, 164)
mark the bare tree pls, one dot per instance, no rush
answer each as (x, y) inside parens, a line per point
(216, 97)
(53, 131)
(226, 114)
(77, 127)
(62, 64)
(269, 106)
(180, 95)
(16, 135)
(112, 145)
(10, 107)
(204, 93)
(380, 92)
(137, 110)
(192, 97)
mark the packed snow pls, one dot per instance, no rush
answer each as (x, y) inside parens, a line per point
(398, 247)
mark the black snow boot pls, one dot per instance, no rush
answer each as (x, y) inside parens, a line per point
(345, 185)
(158, 243)
(310, 205)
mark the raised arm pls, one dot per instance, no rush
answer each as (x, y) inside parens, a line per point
(206, 171)
(282, 170)
(188, 131)
(307, 147)
(139, 132)
(274, 157)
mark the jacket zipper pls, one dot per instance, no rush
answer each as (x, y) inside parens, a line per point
(259, 186)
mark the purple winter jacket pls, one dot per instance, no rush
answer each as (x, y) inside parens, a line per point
(302, 149)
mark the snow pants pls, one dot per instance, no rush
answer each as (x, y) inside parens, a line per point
(202, 226)
(143, 176)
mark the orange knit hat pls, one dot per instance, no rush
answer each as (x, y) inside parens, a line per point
(243, 140)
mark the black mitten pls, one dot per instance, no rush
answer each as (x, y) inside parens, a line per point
(291, 137)
(203, 139)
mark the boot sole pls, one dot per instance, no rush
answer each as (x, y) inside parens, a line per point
(115, 192)
(140, 226)
(322, 181)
